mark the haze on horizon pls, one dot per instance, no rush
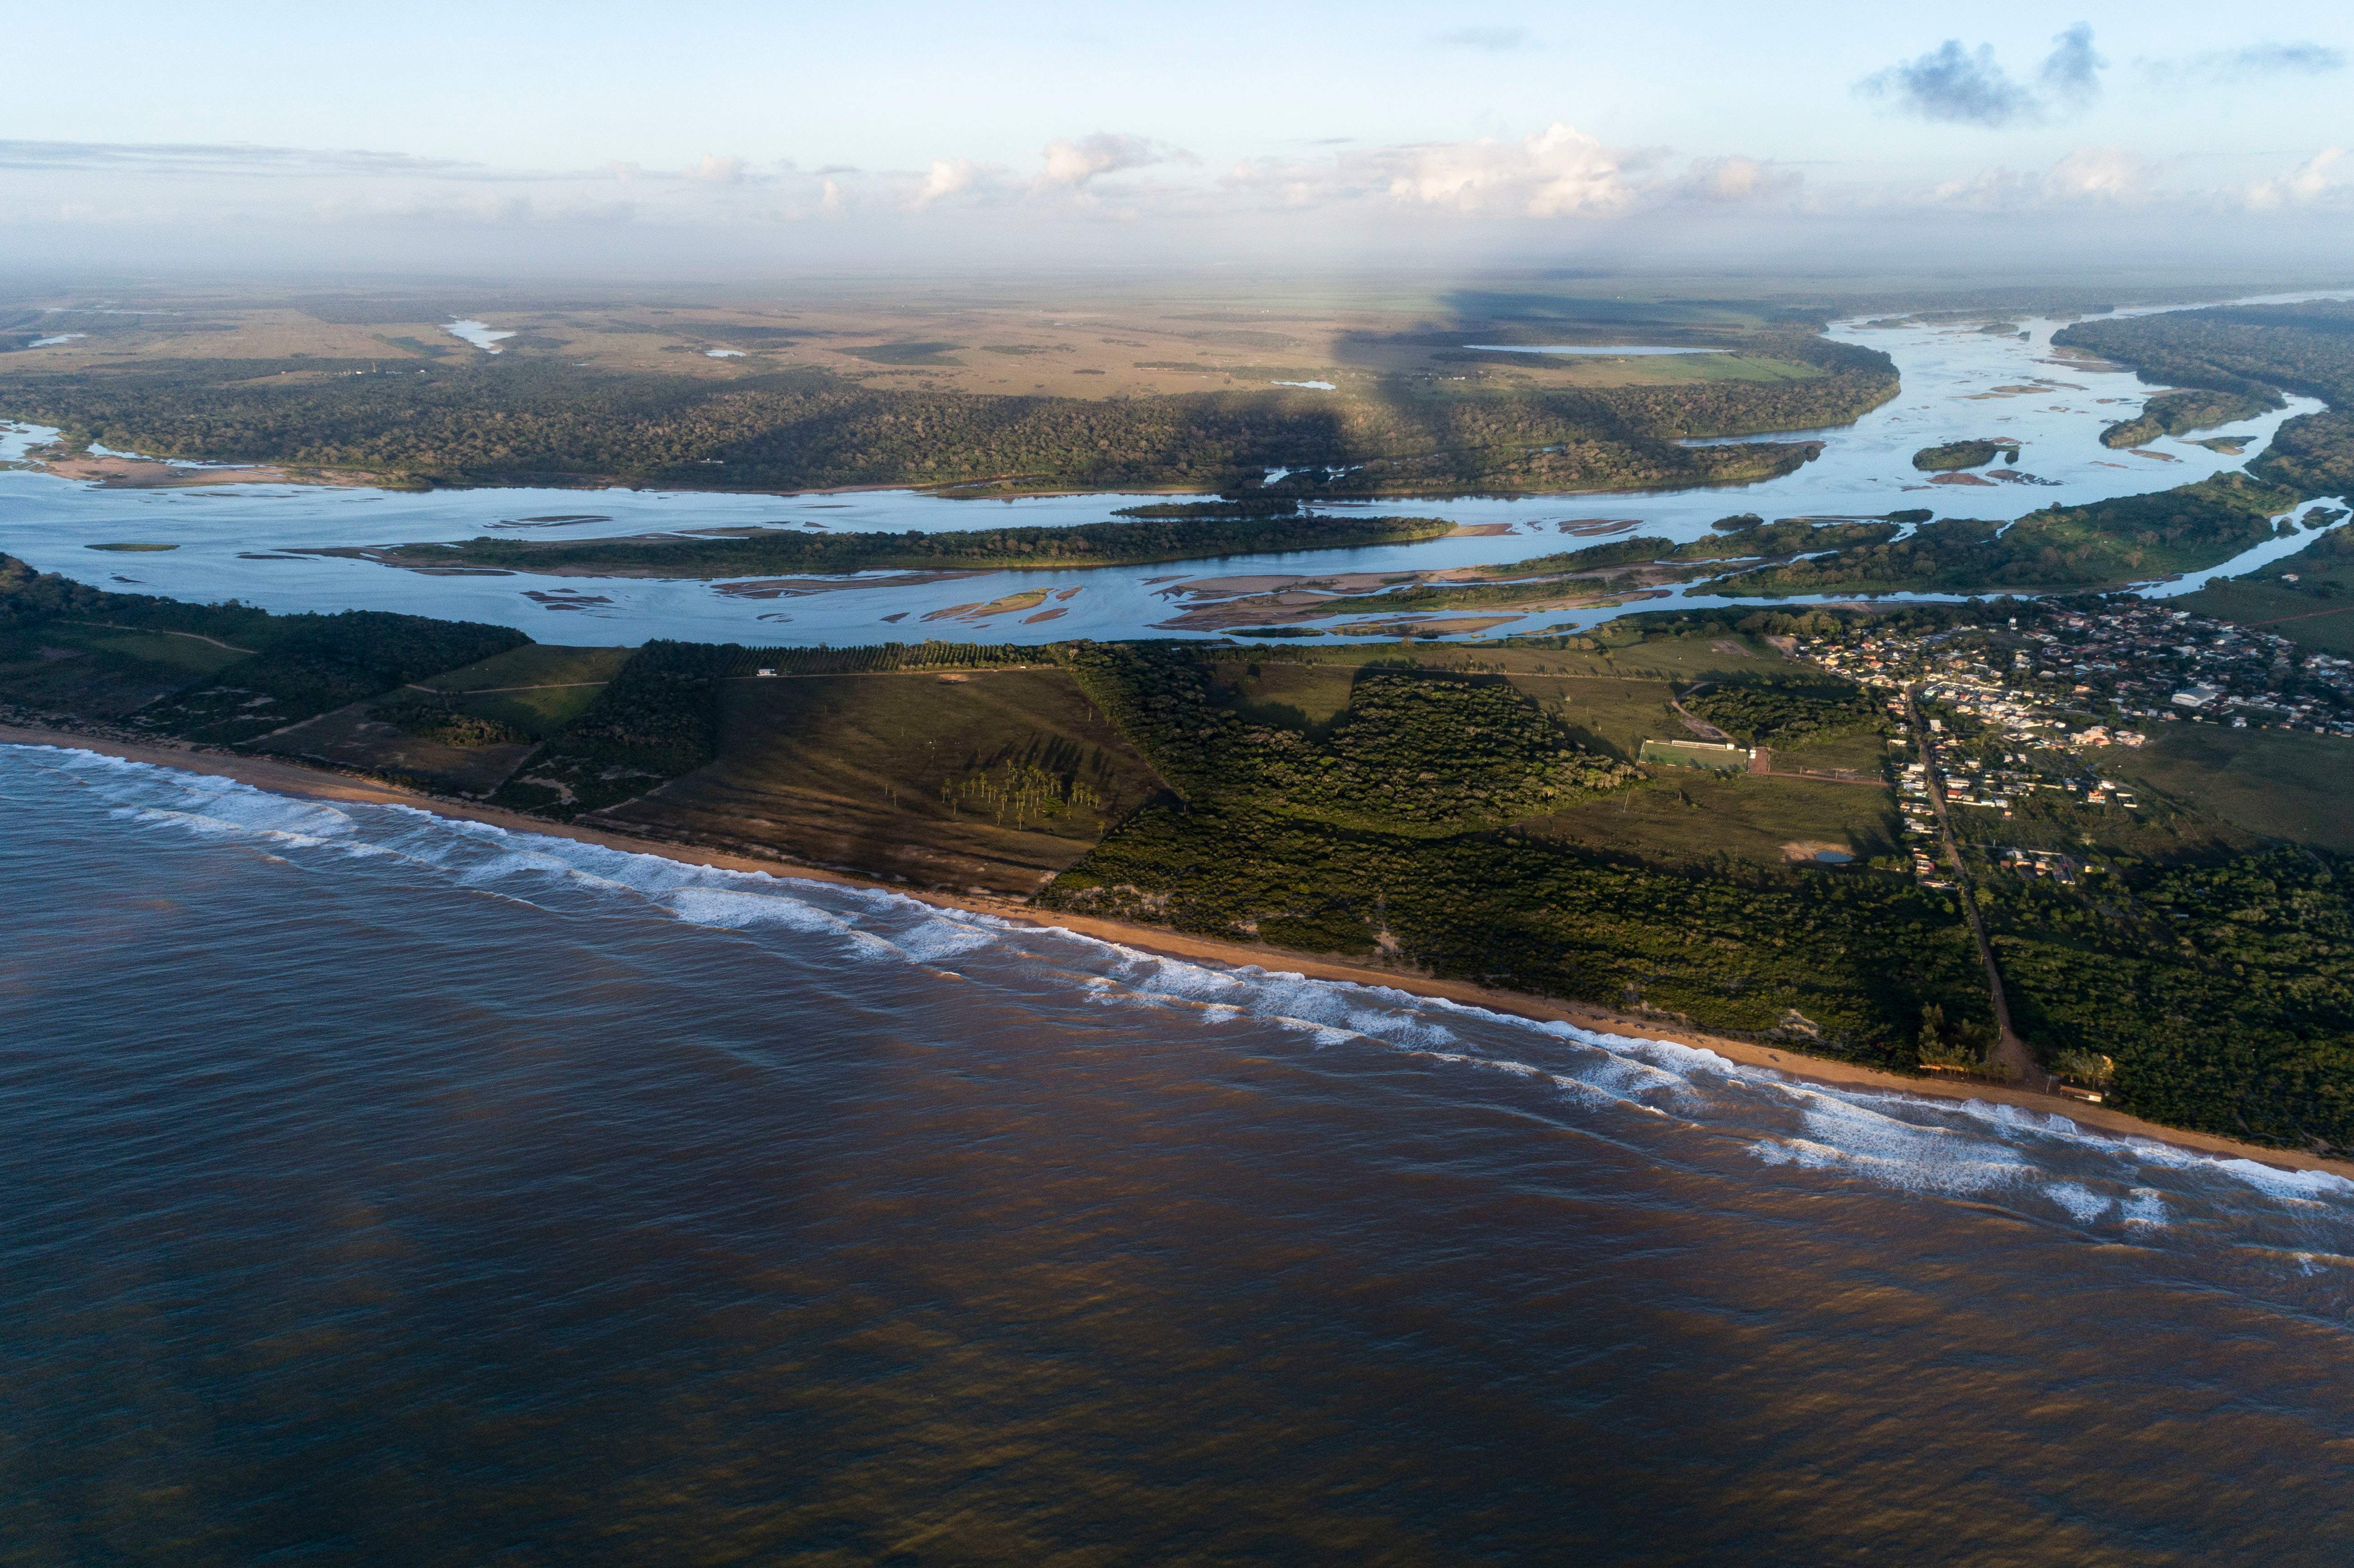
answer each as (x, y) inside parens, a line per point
(723, 139)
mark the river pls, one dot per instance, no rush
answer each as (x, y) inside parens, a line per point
(1958, 383)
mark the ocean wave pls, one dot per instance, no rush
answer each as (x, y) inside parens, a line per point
(1893, 1138)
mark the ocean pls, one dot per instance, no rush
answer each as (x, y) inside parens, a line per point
(384, 1188)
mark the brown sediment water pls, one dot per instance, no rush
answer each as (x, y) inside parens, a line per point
(381, 1170)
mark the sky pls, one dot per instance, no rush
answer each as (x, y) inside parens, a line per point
(703, 136)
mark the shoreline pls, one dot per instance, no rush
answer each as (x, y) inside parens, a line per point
(288, 778)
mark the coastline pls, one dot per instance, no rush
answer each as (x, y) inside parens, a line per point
(288, 778)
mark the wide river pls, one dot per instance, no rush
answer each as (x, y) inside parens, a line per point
(381, 1189)
(1958, 383)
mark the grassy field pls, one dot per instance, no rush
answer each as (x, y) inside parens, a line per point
(2315, 611)
(1688, 814)
(2275, 784)
(102, 673)
(352, 738)
(537, 689)
(1179, 337)
(994, 780)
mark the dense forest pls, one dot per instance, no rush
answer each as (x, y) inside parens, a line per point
(2257, 352)
(774, 550)
(2223, 991)
(2059, 547)
(1419, 867)
(508, 422)
(2179, 413)
(279, 669)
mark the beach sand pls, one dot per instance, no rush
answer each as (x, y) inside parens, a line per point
(292, 779)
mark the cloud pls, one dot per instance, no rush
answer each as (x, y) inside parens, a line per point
(1955, 86)
(949, 176)
(2101, 175)
(2088, 176)
(713, 169)
(2256, 62)
(1738, 179)
(1074, 164)
(1496, 40)
(2070, 73)
(1559, 172)
(2328, 175)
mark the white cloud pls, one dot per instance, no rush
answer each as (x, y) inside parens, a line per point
(2328, 175)
(950, 176)
(2101, 175)
(2111, 177)
(713, 169)
(1559, 172)
(1738, 179)
(1074, 164)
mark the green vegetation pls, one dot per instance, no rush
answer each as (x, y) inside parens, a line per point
(2107, 542)
(2256, 352)
(996, 777)
(2179, 413)
(210, 672)
(1395, 855)
(441, 721)
(772, 551)
(476, 420)
(2315, 611)
(2270, 784)
(2221, 991)
(1956, 455)
(653, 721)
(1785, 712)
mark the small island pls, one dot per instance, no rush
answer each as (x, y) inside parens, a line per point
(1954, 456)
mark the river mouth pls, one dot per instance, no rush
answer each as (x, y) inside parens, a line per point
(247, 541)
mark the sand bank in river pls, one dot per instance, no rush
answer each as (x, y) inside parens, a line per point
(291, 779)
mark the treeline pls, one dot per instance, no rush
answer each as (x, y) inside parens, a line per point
(656, 719)
(2257, 352)
(524, 421)
(2179, 413)
(2108, 542)
(1842, 963)
(1782, 712)
(776, 551)
(2224, 993)
(284, 668)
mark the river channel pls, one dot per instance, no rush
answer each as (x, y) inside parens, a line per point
(233, 540)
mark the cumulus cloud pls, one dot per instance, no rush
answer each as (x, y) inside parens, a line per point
(1559, 172)
(713, 169)
(1956, 86)
(2088, 176)
(1074, 164)
(2328, 175)
(1496, 40)
(2101, 175)
(948, 178)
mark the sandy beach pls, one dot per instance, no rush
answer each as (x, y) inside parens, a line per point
(291, 779)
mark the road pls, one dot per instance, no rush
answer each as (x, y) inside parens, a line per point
(2011, 1056)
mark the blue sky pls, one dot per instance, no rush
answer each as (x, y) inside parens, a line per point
(814, 132)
